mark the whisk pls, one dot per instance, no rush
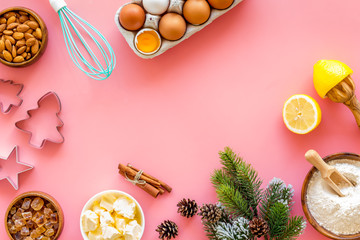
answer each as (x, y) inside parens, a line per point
(69, 19)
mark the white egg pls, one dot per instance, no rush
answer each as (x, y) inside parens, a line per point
(156, 7)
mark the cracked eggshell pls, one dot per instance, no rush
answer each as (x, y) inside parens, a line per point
(166, 45)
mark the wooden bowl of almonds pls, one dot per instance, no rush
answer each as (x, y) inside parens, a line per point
(34, 215)
(331, 215)
(23, 37)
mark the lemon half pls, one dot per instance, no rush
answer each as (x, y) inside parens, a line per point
(301, 114)
(328, 73)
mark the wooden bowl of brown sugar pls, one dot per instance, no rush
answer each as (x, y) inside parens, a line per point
(326, 199)
(23, 37)
(32, 215)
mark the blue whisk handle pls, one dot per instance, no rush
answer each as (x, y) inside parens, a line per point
(57, 4)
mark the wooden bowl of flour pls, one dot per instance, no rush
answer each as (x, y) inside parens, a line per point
(304, 202)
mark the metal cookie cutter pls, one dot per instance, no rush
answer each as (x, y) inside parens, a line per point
(8, 108)
(18, 124)
(5, 175)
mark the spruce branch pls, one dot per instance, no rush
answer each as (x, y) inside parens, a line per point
(244, 176)
(278, 219)
(294, 228)
(233, 201)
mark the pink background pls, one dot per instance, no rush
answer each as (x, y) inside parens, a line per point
(225, 86)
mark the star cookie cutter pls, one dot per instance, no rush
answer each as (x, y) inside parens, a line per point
(18, 124)
(14, 182)
(9, 107)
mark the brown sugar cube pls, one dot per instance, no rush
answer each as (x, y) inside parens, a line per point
(37, 203)
(48, 225)
(13, 210)
(54, 218)
(30, 224)
(27, 201)
(13, 229)
(36, 216)
(28, 238)
(20, 222)
(47, 212)
(27, 215)
(24, 231)
(40, 221)
(34, 234)
(40, 230)
(50, 232)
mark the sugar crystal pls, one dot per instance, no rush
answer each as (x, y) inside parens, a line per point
(25, 231)
(40, 230)
(26, 204)
(49, 232)
(53, 218)
(34, 234)
(20, 222)
(13, 210)
(47, 212)
(37, 203)
(27, 215)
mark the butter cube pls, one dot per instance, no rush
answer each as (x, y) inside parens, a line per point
(120, 224)
(125, 207)
(95, 235)
(96, 208)
(110, 233)
(106, 218)
(107, 202)
(90, 221)
(133, 231)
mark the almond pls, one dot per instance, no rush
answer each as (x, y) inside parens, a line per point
(10, 38)
(28, 56)
(7, 56)
(38, 33)
(23, 13)
(30, 42)
(13, 51)
(18, 59)
(2, 27)
(2, 20)
(9, 14)
(2, 45)
(11, 20)
(35, 48)
(22, 28)
(24, 54)
(29, 31)
(18, 35)
(28, 36)
(20, 43)
(32, 18)
(27, 49)
(8, 32)
(8, 45)
(23, 19)
(12, 26)
(34, 25)
(21, 50)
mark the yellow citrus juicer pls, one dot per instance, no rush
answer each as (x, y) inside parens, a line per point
(332, 79)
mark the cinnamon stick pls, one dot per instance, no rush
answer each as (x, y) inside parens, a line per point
(153, 191)
(131, 172)
(164, 185)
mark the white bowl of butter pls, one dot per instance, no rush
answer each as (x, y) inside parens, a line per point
(112, 215)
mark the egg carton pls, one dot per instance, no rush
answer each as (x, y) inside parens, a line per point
(152, 21)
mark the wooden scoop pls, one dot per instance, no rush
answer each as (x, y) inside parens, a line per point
(328, 173)
(344, 92)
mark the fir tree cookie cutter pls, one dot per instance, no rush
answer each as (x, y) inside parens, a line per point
(13, 182)
(6, 109)
(40, 144)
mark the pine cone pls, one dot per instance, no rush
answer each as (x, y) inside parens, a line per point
(167, 230)
(187, 208)
(210, 212)
(258, 227)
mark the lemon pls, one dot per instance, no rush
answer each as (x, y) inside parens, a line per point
(328, 73)
(301, 114)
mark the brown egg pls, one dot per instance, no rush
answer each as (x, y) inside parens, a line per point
(220, 4)
(172, 26)
(132, 17)
(196, 12)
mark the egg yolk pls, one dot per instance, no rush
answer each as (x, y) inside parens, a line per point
(148, 41)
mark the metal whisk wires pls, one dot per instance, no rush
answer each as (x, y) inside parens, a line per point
(69, 20)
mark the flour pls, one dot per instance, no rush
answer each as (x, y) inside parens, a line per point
(339, 215)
